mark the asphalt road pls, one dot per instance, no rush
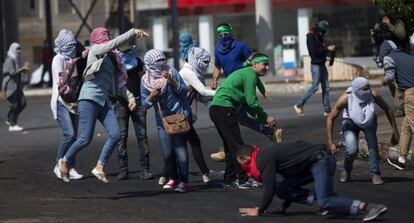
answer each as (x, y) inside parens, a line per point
(30, 192)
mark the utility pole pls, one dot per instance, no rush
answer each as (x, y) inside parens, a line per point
(10, 22)
(1, 36)
(121, 12)
(48, 16)
(174, 19)
(264, 30)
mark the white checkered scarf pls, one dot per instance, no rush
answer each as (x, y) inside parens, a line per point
(153, 78)
(197, 59)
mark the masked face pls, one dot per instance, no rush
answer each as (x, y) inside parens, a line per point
(363, 93)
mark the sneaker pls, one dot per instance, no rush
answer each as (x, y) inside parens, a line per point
(234, 184)
(64, 171)
(74, 175)
(345, 176)
(146, 175)
(277, 135)
(100, 175)
(162, 180)
(246, 185)
(212, 175)
(255, 183)
(396, 163)
(123, 174)
(299, 110)
(57, 171)
(374, 211)
(15, 128)
(322, 212)
(181, 188)
(377, 180)
(219, 156)
(170, 185)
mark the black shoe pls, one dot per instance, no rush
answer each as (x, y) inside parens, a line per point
(232, 184)
(146, 175)
(123, 175)
(374, 211)
(395, 163)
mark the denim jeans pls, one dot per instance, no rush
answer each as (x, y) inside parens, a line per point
(323, 172)
(68, 122)
(319, 75)
(90, 111)
(139, 120)
(175, 154)
(350, 135)
(247, 121)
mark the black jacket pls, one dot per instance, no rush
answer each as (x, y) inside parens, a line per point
(316, 48)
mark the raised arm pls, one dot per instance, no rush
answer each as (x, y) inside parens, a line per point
(102, 49)
(384, 106)
(339, 106)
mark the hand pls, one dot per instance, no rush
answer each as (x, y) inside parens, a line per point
(154, 93)
(267, 97)
(386, 21)
(25, 69)
(74, 106)
(270, 121)
(331, 48)
(140, 34)
(251, 212)
(214, 85)
(167, 74)
(332, 148)
(132, 104)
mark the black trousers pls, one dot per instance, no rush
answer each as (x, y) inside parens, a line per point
(17, 102)
(194, 140)
(227, 124)
(139, 120)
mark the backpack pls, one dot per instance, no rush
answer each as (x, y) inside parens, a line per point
(70, 82)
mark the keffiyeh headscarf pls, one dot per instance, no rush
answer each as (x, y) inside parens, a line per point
(361, 108)
(66, 45)
(101, 35)
(155, 65)
(14, 52)
(186, 43)
(198, 59)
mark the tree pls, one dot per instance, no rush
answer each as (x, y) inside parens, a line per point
(402, 9)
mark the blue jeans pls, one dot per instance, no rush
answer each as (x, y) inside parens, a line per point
(175, 154)
(247, 121)
(323, 172)
(68, 122)
(90, 111)
(319, 75)
(139, 120)
(350, 133)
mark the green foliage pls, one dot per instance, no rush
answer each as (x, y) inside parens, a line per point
(403, 9)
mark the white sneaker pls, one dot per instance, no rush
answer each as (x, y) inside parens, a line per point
(299, 110)
(15, 128)
(57, 171)
(74, 175)
(213, 175)
(162, 180)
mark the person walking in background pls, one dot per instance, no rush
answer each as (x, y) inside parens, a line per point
(12, 86)
(135, 70)
(238, 89)
(230, 55)
(64, 113)
(299, 163)
(191, 73)
(399, 68)
(317, 52)
(104, 78)
(163, 89)
(186, 43)
(358, 103)
(47, 57)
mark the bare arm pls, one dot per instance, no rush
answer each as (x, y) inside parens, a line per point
(383, 105)
(216, 75)
(339, 106)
